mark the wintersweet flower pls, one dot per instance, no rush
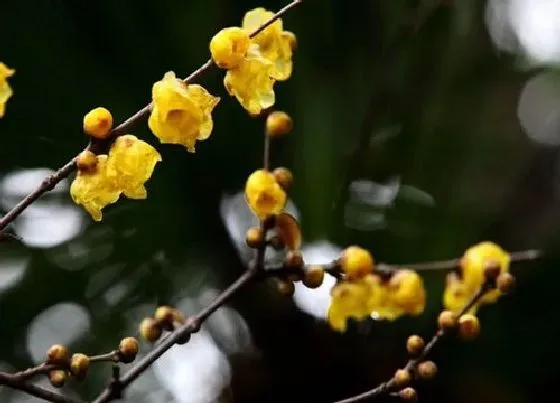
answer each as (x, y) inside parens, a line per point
(181, 113)
(5, 89)
(130, 164)
(274, 43)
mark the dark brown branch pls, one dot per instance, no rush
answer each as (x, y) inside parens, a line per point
(388, 386)
(15, 382)
(50, 182)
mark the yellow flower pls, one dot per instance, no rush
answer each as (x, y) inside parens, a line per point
(263, 194)
(352, 299)
(251, 82)
(456, 295)
(474, 262)
(406, 292)
(93, 190)
(130, 164)
(229, 47)
(5, 89)
(181, 113)
(356, 262)
(275, 44)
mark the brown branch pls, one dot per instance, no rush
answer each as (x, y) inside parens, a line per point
(50, 181)
(15, 382)
(388, 386)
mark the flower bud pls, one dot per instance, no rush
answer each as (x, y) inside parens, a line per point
(313, 276)
(57, 355)
(86, 161)
(128, 348)
(79, 364)
(150, 329)
(278, 123)
(97, 123)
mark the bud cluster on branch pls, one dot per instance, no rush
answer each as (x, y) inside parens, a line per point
(255, 56)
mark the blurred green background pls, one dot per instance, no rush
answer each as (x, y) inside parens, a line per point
(421, 127)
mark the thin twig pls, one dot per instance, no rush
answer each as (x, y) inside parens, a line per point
(15, 382)
(50, 181)
(389, 385)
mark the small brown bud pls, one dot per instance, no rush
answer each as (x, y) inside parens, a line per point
(408, 394)
(278, 123)
(164, 315)
(469, 326)
(79, 364)
(427, 370)
(57, 355)
(294, 259)
(506, 283)
(286, 287)
(57, 378)
(184, 339)
(313, 276)
(492, 269)
(447, 320)
(86, 161)
(402, 377)
(254, 237)
(284, 177)
(128, 348)
(150, 329)
(414, 344)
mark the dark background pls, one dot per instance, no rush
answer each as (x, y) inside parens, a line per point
(411, 97)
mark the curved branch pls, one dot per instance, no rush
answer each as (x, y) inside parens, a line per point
(50, 181)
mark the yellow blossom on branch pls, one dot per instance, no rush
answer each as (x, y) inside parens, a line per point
(263, 194)
(5, 89)
(181, 113)
(353, 299)
(251, 82)
(93, 190)
(130, 164)
(461, 287)
(275, 44)
(229, 47)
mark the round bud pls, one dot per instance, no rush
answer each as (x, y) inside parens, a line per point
(506, 283)
(254, 237)
(57, 355)
(492, 269)
(427, 370)
(86, 161)
(408, 394)
(469, 326)
(286, 287)
(97, 123)
(414, 344)
(150, 329)
(128, 348)
(402, 377)
(79, 364)
(313, 276)
(57, 378)
(284, 177)
(164, 315)
(447, 320)
(278, 123)
(356, 262)
(294, 259)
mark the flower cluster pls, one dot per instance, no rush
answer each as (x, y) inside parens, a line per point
(363, 293)
(474, 268)
(254, 63)
(5, 89)
(101, 179)
(181, 113)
